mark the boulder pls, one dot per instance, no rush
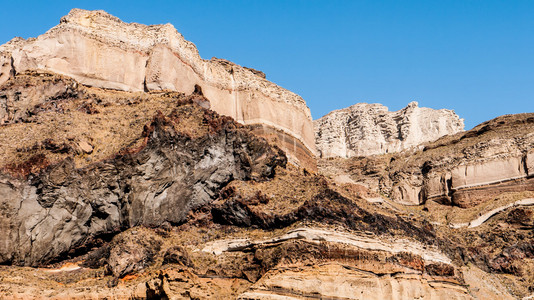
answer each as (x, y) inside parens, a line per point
(133, 251)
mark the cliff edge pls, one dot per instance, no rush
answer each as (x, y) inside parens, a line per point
(367, 129)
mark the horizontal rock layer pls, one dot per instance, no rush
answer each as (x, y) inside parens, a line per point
(366, 129)
(90, 45)
(470, 184)
(318, 282)
(466, 169)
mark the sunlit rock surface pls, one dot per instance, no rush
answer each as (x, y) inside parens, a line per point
(366, 129)
(98, 49)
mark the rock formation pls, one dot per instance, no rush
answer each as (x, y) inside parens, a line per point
(90, 45)
(54, 201)
(464, 169)
(366, 129)
(116, 189)
(257, 242)
(125, 195)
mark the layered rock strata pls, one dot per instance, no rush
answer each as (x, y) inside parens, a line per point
(89, 45)
(339, 249)
(488, 168)
(295, 269)
(367, 129)
(465, 169)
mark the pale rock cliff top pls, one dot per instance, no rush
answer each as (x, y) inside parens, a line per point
(366, 129)
(99, 50)
(111, 31)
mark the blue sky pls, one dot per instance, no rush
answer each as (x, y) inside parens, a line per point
(476, 57)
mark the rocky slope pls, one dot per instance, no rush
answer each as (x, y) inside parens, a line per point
(89, 45)
(367, 129)
(465, 169)
(54, 200)
(113, 194)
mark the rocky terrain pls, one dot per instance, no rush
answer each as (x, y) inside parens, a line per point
(132, 195)
(114, 190)
(177, 162)
(88, 45)
(475, 187)
(367, 129)
(464, 169)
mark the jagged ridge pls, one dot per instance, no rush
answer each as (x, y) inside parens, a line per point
(367, 129)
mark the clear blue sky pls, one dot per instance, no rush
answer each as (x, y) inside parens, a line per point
(476, 57)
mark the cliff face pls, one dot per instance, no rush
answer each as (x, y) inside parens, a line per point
(148, 194)
(475, 187)
(367, 129)
(67, 186)
(465, 169)
(90, 45)
(142, 195)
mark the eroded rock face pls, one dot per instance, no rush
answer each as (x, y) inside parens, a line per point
(366, 129)
(351, 283)
(89, 45)
(60, 207)
(464, 170)
(293, 236)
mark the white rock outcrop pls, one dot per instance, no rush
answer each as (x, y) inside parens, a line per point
(100, 50)
(366, 129)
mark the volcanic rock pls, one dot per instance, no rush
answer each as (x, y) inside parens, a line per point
(53, 201)
(135, 191)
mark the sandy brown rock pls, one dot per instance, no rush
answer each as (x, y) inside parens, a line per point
(149, 194)
(85, 147)
(332, 247)
(350, 283)
(132, 251)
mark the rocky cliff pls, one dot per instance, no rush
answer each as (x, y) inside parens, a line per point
(74, 169)
(89, 45)
(464, 169)
(476, 188)
(143, 195)
(149, 194)
(366, 129)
